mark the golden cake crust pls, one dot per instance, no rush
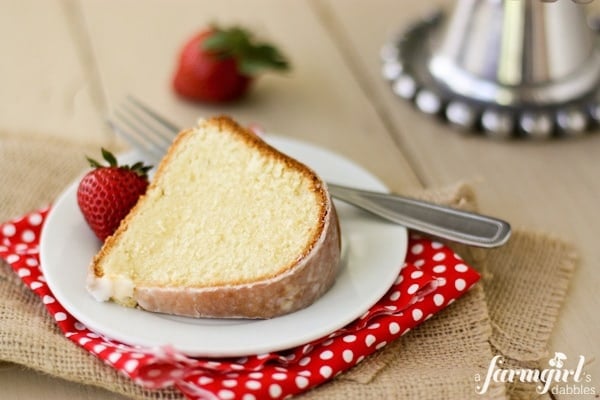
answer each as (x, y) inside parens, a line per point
(296, 286)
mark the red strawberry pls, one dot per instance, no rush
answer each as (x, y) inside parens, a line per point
(107, 193)
(218, 65)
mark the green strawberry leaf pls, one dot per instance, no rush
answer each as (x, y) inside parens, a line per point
(93, 163)
(138, 165)
(219, 42)
(262, 57)
(109, 157)
(251, 56)
(139, 168)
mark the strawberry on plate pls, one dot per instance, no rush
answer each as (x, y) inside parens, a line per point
(218, 65)
(107, 193)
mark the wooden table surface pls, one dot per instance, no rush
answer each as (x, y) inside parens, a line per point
(65, 63)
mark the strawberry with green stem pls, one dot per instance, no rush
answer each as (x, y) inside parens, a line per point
(218, 65)
(107, 193)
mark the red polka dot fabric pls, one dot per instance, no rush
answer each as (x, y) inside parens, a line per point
(432, 277)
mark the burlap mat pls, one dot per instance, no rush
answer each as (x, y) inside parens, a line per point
(438, 360)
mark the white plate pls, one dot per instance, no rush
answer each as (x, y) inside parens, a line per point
(374, 253)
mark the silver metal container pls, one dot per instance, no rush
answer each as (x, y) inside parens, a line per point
(504, 67)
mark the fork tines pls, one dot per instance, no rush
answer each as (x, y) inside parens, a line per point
(142, 127)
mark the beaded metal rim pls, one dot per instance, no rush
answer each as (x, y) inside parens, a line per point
(404, 65)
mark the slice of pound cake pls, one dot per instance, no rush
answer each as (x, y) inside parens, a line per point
(229, 227)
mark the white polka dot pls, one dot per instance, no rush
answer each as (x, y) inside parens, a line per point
(376, 325)
(22, 272)
(279, 376)
(349, 338)
(262, 356)
(436, 245)
(395, 295)
(380, 345)
(114, 357)
(417, 248)
(274, 391)
(60, 316)
(176, 373)
(79, 326)
(412, 289)
(28, 236)
(213, 363)
(205, 380)
(441, 282)
(248, 396)
(31, 262)
(326, 355)
(21, 248)
(416, 274)
(95, 336)
(48, 299)
(439, 269)
(394, 328)
(417, 314)
(83, 341)
(131, 365)
(13, 258)
(255, 375)
(229, 383)
(226, 394)
(35, 219)
(301, 382)
(461, 268)
(253, 385)
(325, 371)
(304, 361)
(439, 256)
(348, 355)
(154, 373)
(438, 299)
(369, 340)
(9, 230)
(460, 284)
(419, 263)
(391, 308)
(36, 285)
(99, 348)
(399, 280)
(304, 373)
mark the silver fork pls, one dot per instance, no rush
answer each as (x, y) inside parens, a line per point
(152, 134)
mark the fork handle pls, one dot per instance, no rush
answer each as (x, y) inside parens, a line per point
(444, 222)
